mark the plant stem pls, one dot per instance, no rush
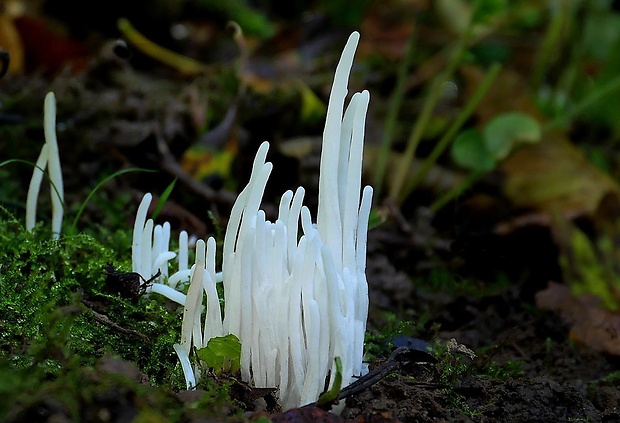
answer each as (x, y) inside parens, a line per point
(557, 26)
(392, 115)
(590, 99)
(396, 190)
(456, 191)
(183, 64)
(445, 140)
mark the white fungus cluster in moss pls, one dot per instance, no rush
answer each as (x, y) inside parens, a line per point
(295, 300)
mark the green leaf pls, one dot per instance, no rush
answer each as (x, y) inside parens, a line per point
(470, 151)
(163, 198)
(222, 354)
(502, 132)
(375, 219)
(312, 108)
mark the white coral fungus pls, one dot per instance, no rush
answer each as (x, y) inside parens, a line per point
(295, 302)
(48, 158)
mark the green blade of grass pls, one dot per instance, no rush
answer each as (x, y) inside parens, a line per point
(445, 140)
(331, 396)
(163, 198)
(396, 190)
(99, 185)
(590, 99)
(392, 115)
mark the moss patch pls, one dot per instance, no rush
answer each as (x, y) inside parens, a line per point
(58, 321)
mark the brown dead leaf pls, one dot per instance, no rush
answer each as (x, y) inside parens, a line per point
(591, 325)
(47, 48)
(508, 93)
(11, 42)
(554, 176)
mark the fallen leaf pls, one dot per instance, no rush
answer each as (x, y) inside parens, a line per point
(48, 49)
(554, 176)
(591, 325)
(11, 42)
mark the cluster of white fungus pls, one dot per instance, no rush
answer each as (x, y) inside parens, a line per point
(48, 158)
(295, 300)
(150, 254)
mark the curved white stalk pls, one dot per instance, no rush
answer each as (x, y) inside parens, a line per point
(193, 306)
(55, 172)
(138, 229)
(190, 380)
(35, 186)
(183, 248)
(49, 158)
(328, 215)
(168, 292)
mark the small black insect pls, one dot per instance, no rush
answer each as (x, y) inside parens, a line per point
(130, 285)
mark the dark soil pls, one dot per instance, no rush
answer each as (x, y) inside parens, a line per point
(553, 380)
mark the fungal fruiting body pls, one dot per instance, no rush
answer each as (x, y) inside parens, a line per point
(48, 158)
(295, 299)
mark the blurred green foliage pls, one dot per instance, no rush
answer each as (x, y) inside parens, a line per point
(252, 21)
(482, 150)
(590, 266)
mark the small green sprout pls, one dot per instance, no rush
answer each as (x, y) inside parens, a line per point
(331, 396)
(222, 354)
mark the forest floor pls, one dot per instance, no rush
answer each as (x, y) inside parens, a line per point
(461, 295)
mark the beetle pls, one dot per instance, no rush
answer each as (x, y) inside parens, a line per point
(129, 285)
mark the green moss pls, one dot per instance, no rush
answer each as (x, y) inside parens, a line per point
(53, 293)
(444, 280)
(380, 343)
(57, 321)
(108, 391)
(503, 371)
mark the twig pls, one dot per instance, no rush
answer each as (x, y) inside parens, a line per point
(401, 357)
(170, 165)
(105, 320)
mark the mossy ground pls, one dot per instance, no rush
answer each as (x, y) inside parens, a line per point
(60, 325)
